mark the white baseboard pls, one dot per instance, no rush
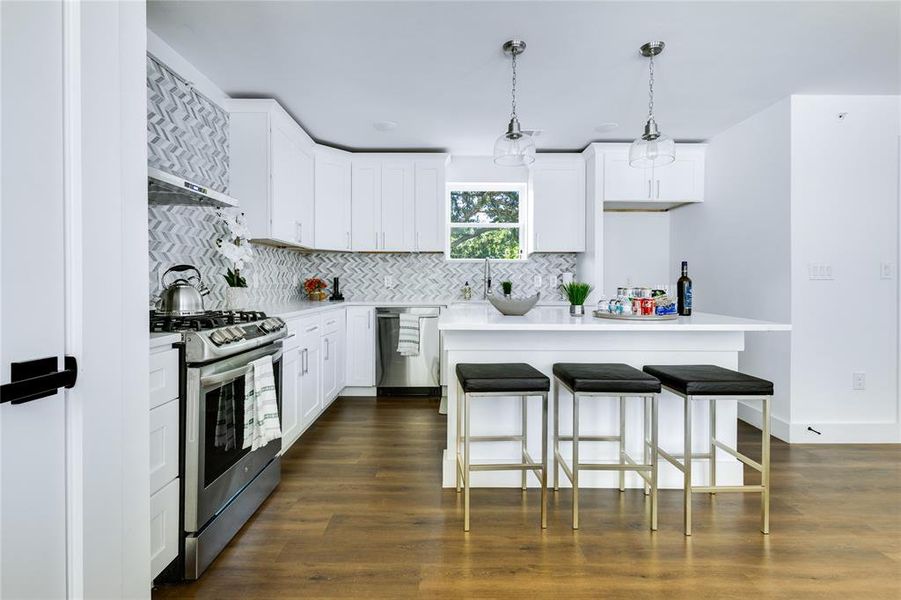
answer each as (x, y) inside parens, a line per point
(728, 472)
(358, 391)
(752, 415)
(826, 433)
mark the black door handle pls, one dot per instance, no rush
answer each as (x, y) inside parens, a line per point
(38, 378)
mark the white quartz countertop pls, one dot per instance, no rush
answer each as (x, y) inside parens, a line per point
(291, 310)
(481, 318)
(158, 340)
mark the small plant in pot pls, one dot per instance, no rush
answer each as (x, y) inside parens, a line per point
(576, 292)
(235, 247)
(507, 287)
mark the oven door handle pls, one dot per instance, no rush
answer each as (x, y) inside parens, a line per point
(232, 374)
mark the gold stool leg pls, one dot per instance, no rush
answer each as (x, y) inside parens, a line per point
(765, 475)
(654, 453)
(466, 472)
(645, 438)
(622, 442)
(687, 482)
(556, 435)
(575, 465)
(525, 427)
(712, 405)
(458, 436)
(544, 461)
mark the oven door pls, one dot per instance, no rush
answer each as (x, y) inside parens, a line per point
(217, 466)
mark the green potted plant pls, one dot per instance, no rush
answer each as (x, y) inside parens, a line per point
(576, 292)
(507, 287)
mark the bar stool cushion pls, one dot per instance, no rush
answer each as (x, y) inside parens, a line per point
(501, 377)
(615, 378)
(709, 380)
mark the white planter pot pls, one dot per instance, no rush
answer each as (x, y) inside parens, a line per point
(236, 298)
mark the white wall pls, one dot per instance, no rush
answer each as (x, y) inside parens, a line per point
(737, 242)
(844, 181)
(636, 250)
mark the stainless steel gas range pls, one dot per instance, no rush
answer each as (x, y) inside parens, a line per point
(224, 483)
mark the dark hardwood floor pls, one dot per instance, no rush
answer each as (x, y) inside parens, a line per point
(360, 513)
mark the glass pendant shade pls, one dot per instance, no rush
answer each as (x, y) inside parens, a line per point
(656, 152)
(514, 148)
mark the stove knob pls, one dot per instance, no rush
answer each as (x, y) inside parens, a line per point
(218, 338)
(237, 332)
(266, 326)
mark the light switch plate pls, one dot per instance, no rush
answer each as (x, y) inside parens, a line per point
(389, 281)
(859, 380)
(887, 270)
(819, 271)
(537, 281)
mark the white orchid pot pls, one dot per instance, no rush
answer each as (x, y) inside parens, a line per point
(236, 298)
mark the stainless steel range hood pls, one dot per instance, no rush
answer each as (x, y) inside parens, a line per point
(165, 188)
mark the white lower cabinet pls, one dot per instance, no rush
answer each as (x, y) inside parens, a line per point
(360, 351)
(163, 527)
(164, 482)
(291, 423)
(163, 444)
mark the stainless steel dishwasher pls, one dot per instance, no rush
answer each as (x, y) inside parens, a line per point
(397, 374)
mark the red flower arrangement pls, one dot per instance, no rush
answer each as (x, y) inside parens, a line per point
(313, 287)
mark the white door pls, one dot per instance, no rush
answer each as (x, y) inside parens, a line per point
(558, 204)
(74, 465)
(429, 206)
(32, 252)
(624, 182)
(366, 224)
(397, 205)
(332, 214)
(360, 347)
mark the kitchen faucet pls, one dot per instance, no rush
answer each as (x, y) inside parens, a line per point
(487, 279)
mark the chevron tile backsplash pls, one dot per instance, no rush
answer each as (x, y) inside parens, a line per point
(187, 234)
(187, 134)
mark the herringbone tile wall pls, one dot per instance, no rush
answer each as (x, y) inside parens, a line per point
(187, 234)
(187, 134)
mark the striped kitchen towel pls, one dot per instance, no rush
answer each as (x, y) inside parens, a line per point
(261, 424)
(408, 338)
(225, 419)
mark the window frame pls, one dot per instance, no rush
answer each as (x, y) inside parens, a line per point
(522, 187)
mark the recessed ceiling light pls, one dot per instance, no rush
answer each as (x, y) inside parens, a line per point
(385, 125)
(604, 127)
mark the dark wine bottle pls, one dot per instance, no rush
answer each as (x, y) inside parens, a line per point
(683, 291)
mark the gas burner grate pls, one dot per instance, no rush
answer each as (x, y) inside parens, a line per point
(211, 319)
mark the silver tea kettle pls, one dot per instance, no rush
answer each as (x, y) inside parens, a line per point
(181, 297)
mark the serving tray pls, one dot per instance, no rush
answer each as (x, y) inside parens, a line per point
(605, 315)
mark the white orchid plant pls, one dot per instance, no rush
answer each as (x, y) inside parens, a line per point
(235, 246)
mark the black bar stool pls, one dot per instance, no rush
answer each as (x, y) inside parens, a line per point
(607, 380)
(698, 382)
(491, 381)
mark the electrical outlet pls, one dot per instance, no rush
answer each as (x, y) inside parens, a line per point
(859, 380)
(887, 270)
(537, 281)
(389, 281)
(819, 271)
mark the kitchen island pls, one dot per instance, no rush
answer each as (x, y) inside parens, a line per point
(547, 335)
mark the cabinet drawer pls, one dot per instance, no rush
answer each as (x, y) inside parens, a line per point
(292, 328)
(163, 377)
(332, 321)
(163, 527)
(163, 445)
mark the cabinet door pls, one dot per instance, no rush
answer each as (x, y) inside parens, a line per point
(329, 368)
(310, 389)
(397, 205)
(429, 206)
(163, 527)
(623, 182)
(333, 199)
(306, 160)
(681, 181)
(366, 188)
(163, 445)
(291, 425)
(360, 346)
(290, 187)
(558, 204)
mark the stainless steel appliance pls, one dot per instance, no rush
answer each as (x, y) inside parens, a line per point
(407, 374)
(182, 297)
(223, 483)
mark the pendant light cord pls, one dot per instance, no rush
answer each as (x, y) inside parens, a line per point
(513, 108)
(651, 87)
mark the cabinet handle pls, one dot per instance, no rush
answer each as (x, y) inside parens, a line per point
(303, 362)
(298, 232)
(383, 240)
(649, 189)
(658, 189)
(348, 240)
(313, 328)
(537, 239)
(417, 241)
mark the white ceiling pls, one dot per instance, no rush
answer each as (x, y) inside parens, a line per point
(436, 68)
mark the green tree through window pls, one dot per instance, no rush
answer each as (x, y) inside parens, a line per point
(485, 223)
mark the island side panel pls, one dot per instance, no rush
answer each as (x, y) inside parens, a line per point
(541, 349)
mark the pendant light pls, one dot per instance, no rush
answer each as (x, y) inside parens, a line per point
(652, 149)
(515, 147)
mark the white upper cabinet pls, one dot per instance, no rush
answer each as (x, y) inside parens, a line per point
(429, 210)
(271, 167)
(662, 188)
(558, 203)
(397, 202)
(333, 199)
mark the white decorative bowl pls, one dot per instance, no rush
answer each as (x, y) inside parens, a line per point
(513, 307)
